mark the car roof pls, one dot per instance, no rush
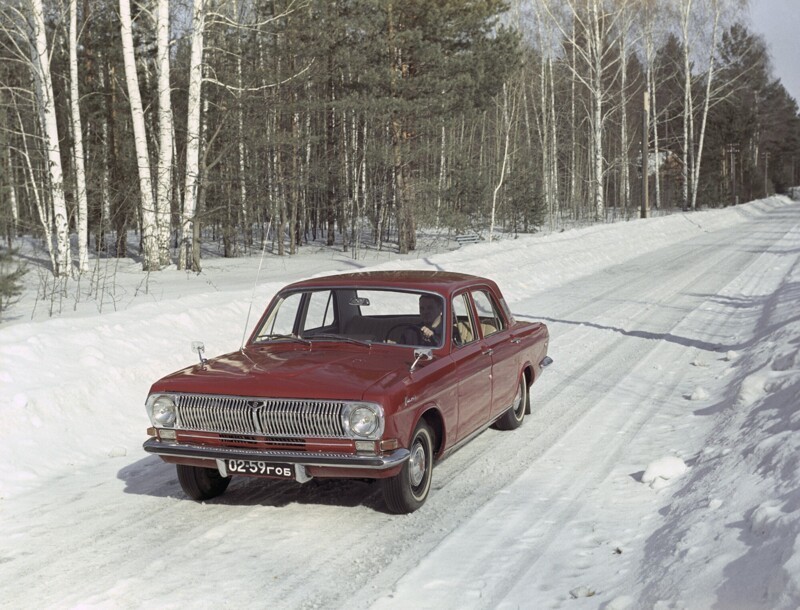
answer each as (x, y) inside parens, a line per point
(443, 282)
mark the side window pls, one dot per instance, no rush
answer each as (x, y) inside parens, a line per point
(463, 330)
(321, 310)
(490, 319)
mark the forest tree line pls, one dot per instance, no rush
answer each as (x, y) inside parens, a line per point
(242, 121)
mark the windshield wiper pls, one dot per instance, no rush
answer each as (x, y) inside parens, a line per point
(277, 337)
(330, 337)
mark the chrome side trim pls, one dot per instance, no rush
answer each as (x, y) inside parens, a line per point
(338, 460)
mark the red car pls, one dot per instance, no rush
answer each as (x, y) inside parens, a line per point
(365, 375)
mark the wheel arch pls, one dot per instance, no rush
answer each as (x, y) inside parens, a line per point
(433, 417)
(530, 377)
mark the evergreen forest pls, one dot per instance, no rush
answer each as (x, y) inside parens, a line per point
(356, 123)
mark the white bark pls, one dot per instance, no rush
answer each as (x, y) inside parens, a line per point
(553, 144)
(105, 210)
(44, 212)
(597, 26)
(77, 139)
(240, 125)
(150, 258)
(715, 7)
(596, 50)
(193, 133)
(649, 15)
(12, 188)
(685, 16)
(623, 51)
(44, 86)
(507, 121)
(573, 170)
(442, 175)
(165, 143)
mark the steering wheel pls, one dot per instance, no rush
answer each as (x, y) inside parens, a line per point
(405, 326)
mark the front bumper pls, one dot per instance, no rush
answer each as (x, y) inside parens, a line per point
(301, 458)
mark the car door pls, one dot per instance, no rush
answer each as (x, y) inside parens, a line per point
(502, 348)
(473, 368)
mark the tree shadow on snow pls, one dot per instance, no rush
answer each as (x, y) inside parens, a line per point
(762, 306)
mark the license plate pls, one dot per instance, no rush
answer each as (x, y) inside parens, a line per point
(255, 468)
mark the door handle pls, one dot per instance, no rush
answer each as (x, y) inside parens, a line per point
(488, 352)
(516, 340)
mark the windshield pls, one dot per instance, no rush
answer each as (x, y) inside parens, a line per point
(356, 315)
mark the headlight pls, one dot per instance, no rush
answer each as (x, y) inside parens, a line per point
(364, 420)
(161, 408)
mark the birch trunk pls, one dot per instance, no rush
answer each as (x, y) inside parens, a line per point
(706, 104)
(507, 119)
(150, 258)
(44, 86)
(44, 212)
(77, 142)
(597, 107)
(686, 9)
(12, 188)
(657, 168)
(77, 139)
(623, 49)
(193, 134)
(544, 132)
(649, 50)
(165, 142)
(573, 179)
(553, 144)
(105, 182)
(246, 223)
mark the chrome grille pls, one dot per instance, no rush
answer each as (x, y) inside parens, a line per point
(289, 418)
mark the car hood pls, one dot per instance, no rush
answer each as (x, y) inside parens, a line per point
(295, 371)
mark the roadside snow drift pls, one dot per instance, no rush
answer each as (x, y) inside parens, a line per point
(660, 467)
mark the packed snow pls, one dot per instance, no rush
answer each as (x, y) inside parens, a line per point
(660, 467)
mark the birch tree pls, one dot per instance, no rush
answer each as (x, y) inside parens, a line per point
(685, 12)
(649, 15)
(593, 38)
(508, 116)
(150, 258)
(186, 256)
(47, 111)
(77, 142)
(165, 131)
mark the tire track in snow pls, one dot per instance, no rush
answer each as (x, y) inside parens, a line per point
(543, 521)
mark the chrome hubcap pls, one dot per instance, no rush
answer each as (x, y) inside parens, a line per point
(416, 464)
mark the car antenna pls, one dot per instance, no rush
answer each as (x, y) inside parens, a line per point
(255, 284)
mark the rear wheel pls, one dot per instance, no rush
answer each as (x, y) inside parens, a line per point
(408, 490)
(512, 419)
(201, 483)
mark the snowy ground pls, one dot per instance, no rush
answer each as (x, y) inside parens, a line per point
(660, 467)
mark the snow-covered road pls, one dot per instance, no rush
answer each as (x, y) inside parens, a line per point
(651, 326)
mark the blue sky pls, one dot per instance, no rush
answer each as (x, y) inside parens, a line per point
(779, 22)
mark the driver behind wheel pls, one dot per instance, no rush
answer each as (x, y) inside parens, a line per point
(430, 327)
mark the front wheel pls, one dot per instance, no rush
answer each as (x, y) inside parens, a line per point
(408, 490)
(512, 419)
(201, 483)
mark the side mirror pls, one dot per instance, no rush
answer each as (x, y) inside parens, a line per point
(199, 348)
(421, 353)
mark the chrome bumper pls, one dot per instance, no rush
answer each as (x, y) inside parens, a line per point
(338, 460)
